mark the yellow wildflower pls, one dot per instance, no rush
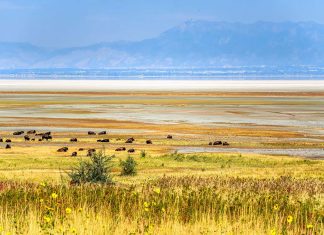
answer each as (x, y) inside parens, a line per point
(276, 207)
(1, 229)
(289, 219)
(157, 190)
(309, 226)
(41, 200)
(146, 204)
(273, 232)
(80, 209)
(42, 184)
(68, 210)
(163, 210)
(54, 195)
(73, 230)
(47, 219)
(146, 209)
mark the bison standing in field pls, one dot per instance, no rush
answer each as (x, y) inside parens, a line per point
(47, 137)
(31, 132)
(81, 149)
(63, 149)
(91, 152)
(8, 140)
(27, 138)
(91, 133)
(131, 151)
(217, 143)
(102, 133)
(1, 140)
(225, 144)
(18, 133)
(129, 140)
(120, 149)
(73, 140)
(169, 137)
(74, 154)
(149, 142)
(8, 146)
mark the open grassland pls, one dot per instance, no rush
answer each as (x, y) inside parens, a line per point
(226, 191)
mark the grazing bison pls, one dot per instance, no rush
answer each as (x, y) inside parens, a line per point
(91, 152)
(169, 136)
(8, 140)
(27, 138)
(40, 140)
(81, 149)
(31, 132)
(149, 142)
(73, 140)
(105, 140)
(217, 143)
(129, 140)
(63, 149)
(131, 151)
(46, 137)
(74, 154)
(32, 139)
(8, 146)
(120, 149)
(225, 144)
(18, 133)
(102, 133)
(1, 140)
(210, 143)
(91, 133)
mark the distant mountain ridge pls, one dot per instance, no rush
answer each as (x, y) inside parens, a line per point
(191, 44)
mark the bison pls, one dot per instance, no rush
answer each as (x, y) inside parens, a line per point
(31, 132)
(129, 140)
(8, 140)
(91, 133)
(18, 133)
(102, 133)
(131, 151)
(120, 149)
(63, 149)
(74, 154)
(225, 143)
(27, 138)
(217, 143)
(210, 143)
(169, 137)
(8, 146)
(73, 140)
(91, 152)
(46, 137)
(149, 142)
(81, 149)
(1, 140)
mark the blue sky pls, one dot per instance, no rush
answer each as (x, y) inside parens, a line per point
(65, 23)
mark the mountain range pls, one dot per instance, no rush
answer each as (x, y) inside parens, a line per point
(191, 44)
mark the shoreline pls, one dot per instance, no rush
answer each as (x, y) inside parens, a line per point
(162, 85)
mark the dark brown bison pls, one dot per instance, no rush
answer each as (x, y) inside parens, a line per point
(47, 137)
(225, 143)
(169, 136)
(63, 149)
(210, 143)
(91, 133)
(81, 149)
(102, 133)
(73, 140)
(32, 139)
(91, 152)
(217, 143)
(105, 140)
(8, 140)
(131, 151)
(129, 140)
(31, 132)
(8, 146)
(18, 133)
(74, 154)
(120, 149)
(27, 138)
(149, 142)
(1, 140)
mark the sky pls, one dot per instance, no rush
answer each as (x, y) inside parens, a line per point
(72, 23)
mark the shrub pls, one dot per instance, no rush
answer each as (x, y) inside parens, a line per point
(97, 170)
(128, 166)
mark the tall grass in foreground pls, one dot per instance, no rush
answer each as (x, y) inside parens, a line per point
(170, 205)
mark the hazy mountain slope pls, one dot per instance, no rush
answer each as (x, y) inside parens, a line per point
(194, 43)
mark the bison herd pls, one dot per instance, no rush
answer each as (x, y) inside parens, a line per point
(32, 135)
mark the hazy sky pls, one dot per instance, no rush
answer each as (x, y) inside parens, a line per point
(64, 23)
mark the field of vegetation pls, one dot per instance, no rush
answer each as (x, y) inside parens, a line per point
(157, 189)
